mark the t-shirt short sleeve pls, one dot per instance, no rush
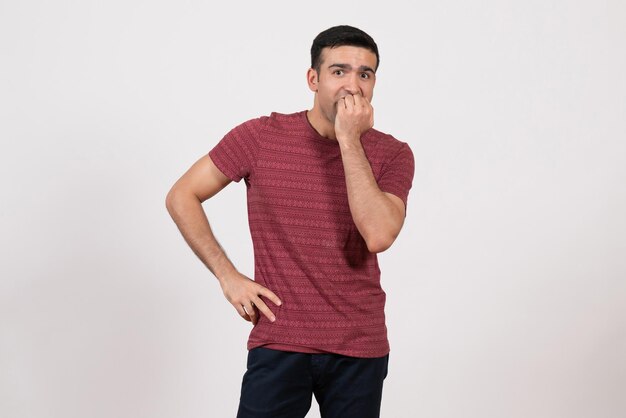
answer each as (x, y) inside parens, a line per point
(397, 174)
(235, 154)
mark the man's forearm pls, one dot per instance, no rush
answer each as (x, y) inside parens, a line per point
(373, 213)
(189, 216)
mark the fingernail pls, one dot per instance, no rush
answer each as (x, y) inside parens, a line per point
(273, 319)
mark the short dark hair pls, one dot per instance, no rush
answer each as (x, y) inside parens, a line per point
(340, 36)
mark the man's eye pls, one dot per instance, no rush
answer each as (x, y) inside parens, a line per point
(365, 75)
(338, 72)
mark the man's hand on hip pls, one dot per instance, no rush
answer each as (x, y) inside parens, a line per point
(243, 293)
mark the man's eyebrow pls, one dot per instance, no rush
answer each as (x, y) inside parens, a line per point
(349, 67)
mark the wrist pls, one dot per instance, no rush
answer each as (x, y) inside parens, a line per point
(223, 269)
(349, 141)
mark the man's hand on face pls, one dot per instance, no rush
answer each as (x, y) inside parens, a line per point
(355, 115)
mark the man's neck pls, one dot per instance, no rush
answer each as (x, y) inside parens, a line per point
(321, 124)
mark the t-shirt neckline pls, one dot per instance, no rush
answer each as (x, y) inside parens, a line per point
(314, 134)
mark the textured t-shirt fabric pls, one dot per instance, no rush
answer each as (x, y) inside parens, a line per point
(307, 249)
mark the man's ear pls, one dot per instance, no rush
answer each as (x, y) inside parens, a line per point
(312, 79)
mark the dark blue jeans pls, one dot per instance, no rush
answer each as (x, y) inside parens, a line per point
(280, 384)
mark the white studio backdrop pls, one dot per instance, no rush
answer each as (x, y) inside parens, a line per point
(506, 292)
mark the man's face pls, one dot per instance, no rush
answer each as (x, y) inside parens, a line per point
(344, 70)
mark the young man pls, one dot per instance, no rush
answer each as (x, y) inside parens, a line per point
(326, 192)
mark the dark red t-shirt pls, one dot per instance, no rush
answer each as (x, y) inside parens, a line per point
(307, 249)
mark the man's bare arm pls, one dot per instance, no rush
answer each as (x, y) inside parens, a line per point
(378, 215)
(184, 204)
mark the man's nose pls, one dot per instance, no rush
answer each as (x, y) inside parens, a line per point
(352, 84)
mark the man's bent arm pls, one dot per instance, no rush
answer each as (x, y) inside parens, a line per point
(184, 203)
(378, 215)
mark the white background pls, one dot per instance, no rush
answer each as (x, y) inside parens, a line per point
(506, 288)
